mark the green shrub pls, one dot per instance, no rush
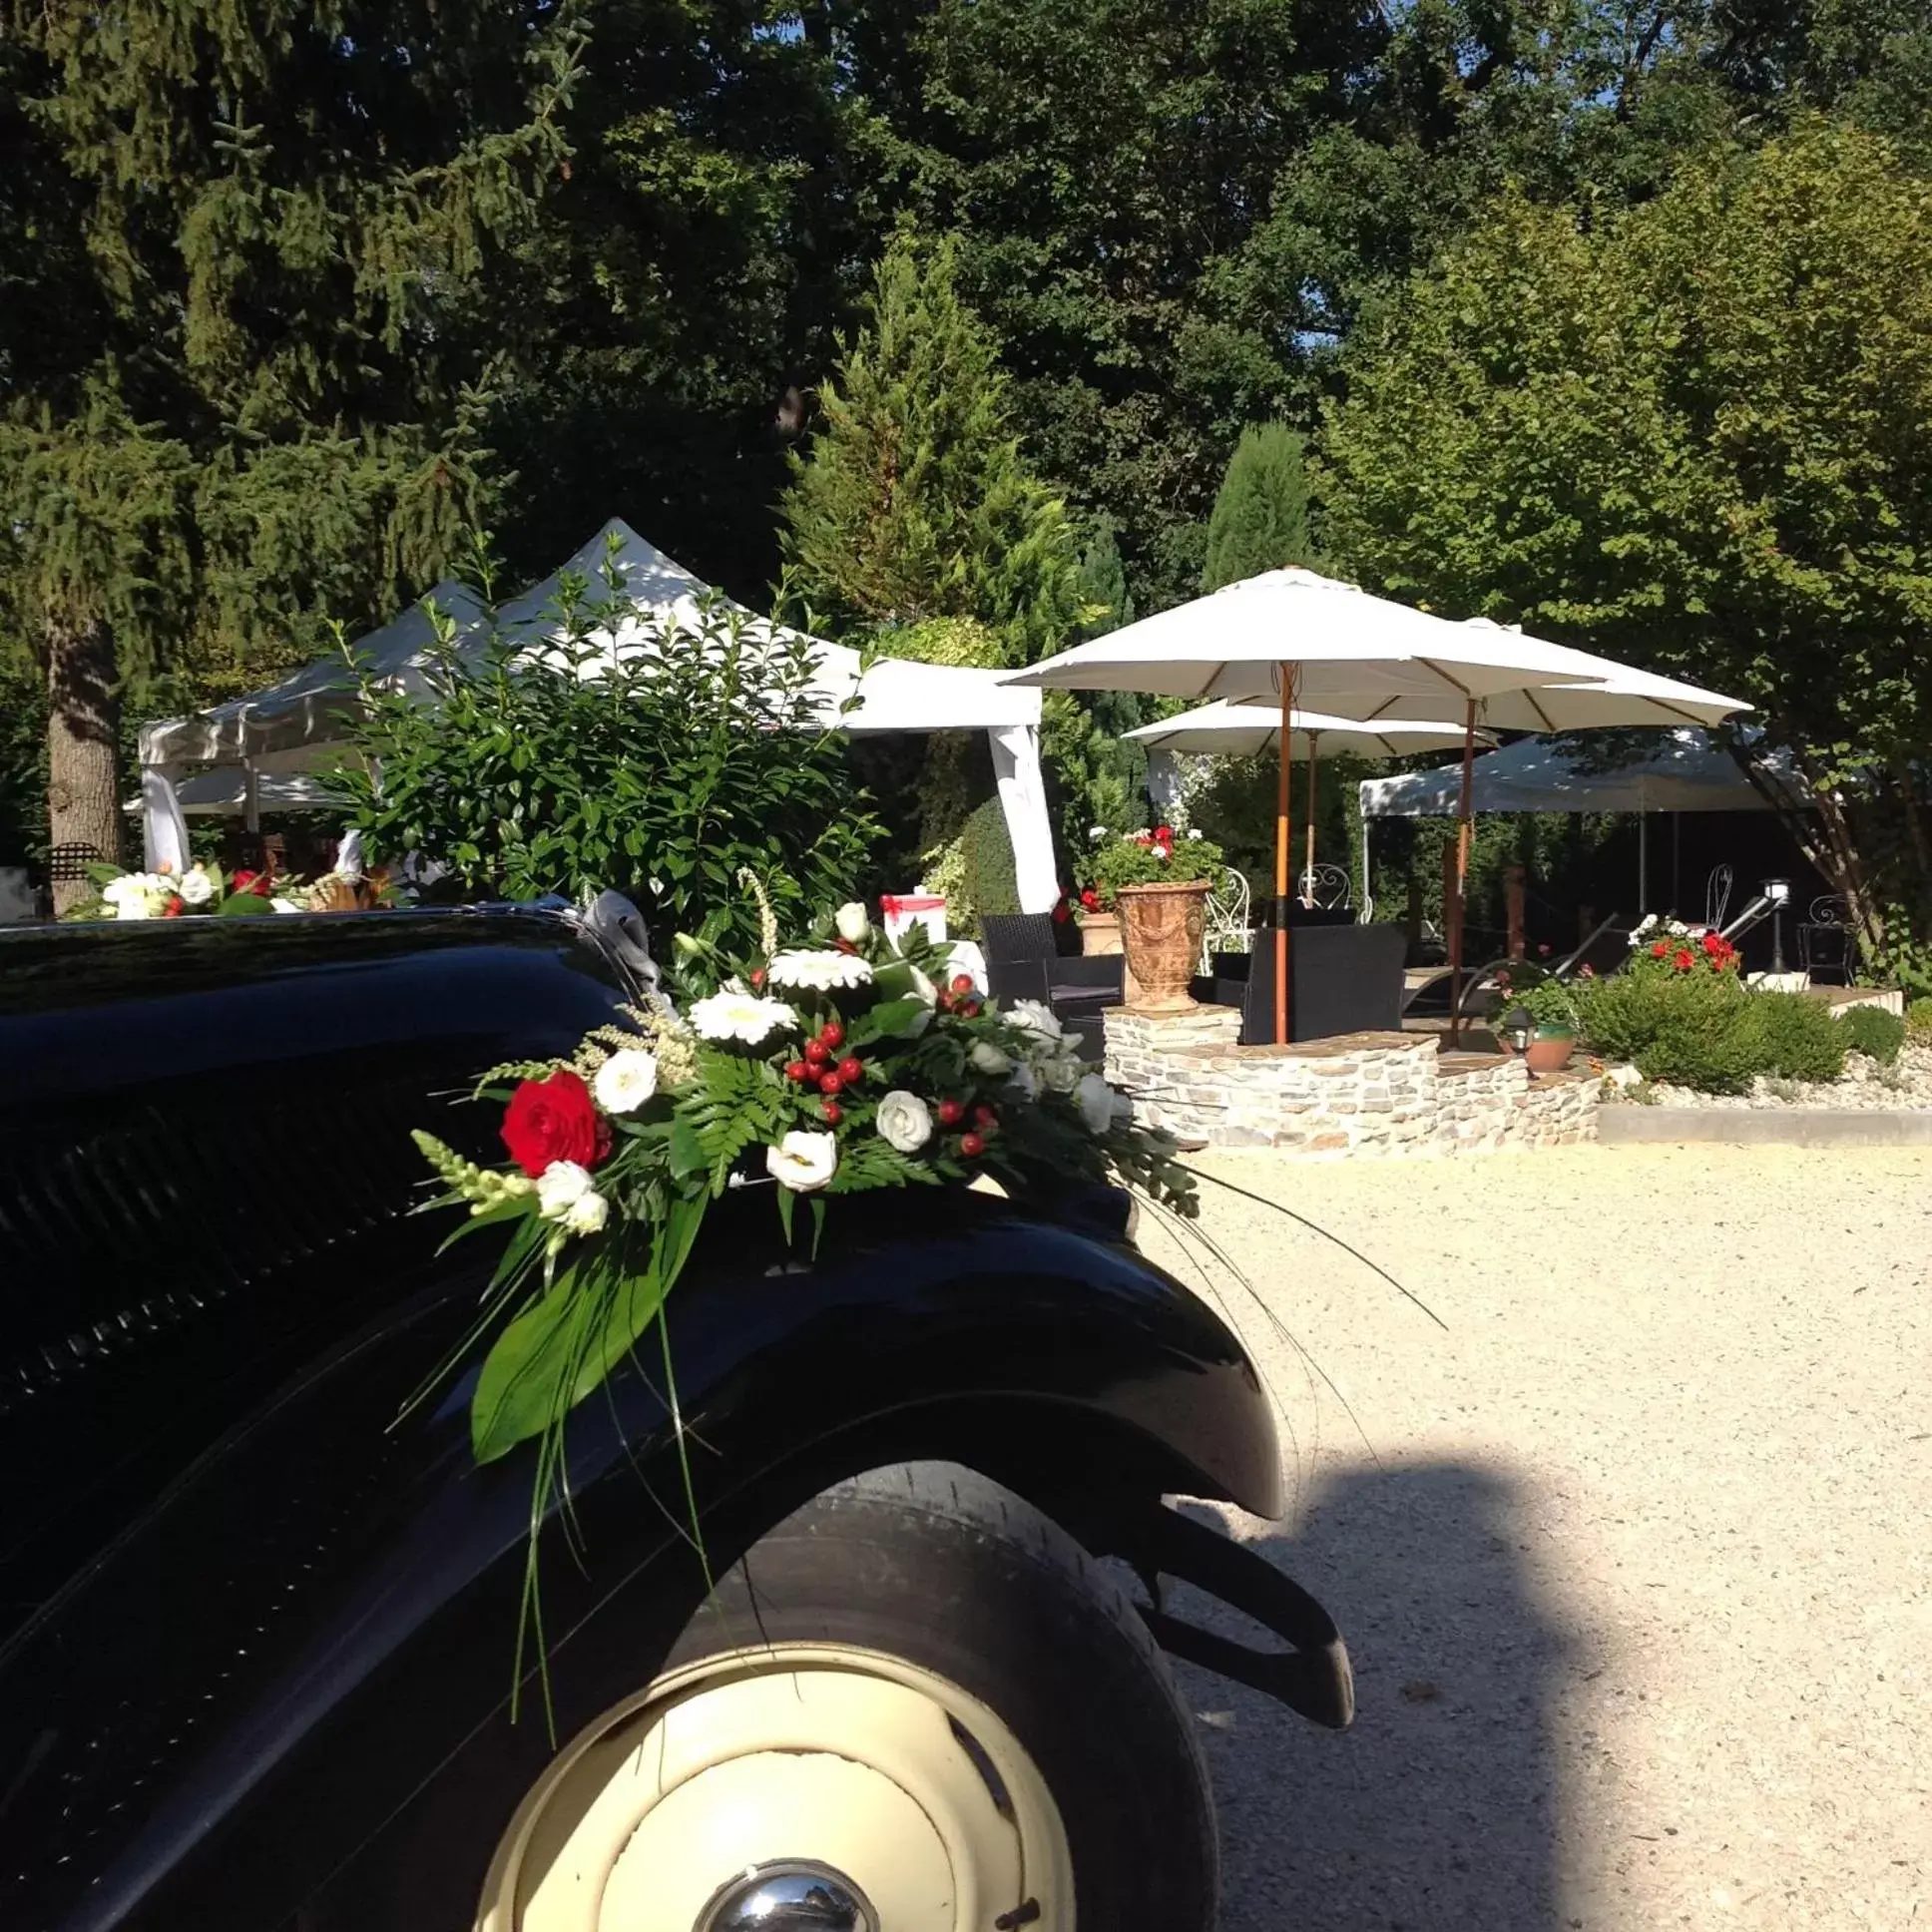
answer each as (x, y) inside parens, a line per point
(1689, 1030)
(1873, 1031)
(1795, 1037)
(1918, 1022)
(986, 862)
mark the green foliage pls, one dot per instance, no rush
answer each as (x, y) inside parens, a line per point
(1918, 1022)
(1708, 1031)
(661, 768)
(913, 502)
(1103, 583)
(1688, 1030)
(1795, 1037)
(1132, 861)
(1261, 516)
(986, 870)
(1592, 426)
(1873, 1031)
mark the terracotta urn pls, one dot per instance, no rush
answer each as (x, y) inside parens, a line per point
(1161, 929)
(1100, 932)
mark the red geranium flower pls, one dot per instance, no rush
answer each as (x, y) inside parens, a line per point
(1685, 959)
(1715, 942)
(1090, 899)
(1659, 951)
(1164, 835)
(555, 1120)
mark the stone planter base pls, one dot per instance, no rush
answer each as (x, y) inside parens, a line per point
(1358, 1094)
(1099, 933)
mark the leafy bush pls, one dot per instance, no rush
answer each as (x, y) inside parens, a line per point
(1918, 1022)
(1873, 1031)
(1795, 1037)
(622, 757)
(1689, 1030)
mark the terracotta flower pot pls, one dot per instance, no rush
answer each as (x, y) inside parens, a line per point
(1100, 932)
(1161, 929)
(1550, 1050)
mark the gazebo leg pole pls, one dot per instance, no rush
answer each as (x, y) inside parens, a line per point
(1308, 832)
(1462, 870)
(1283, 838)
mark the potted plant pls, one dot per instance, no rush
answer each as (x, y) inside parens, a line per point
(1155, 883)
(1543, 1009)
(1099, 924)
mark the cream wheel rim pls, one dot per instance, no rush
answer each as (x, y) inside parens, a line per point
(912, 1792)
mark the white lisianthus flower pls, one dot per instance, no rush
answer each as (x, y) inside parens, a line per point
(285, 905)
(196, 887)
(561, 1187)
(852, 921)
(1096, 1100)
(819, 972)
(1034, 1017)
(135, 905)
(626, 1081)
(1096, 833)
(924, 991)
(1025, 1082)
(587, 1214)
(988, 1059)
(739, 1016)
(802, 1161)
(905, 1120)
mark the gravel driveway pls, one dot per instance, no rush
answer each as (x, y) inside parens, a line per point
(1635, 1562)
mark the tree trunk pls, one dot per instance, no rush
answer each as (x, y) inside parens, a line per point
(82, 725)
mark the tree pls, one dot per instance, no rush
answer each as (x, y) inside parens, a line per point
(1696, 435)
(252, 396)
(1261, 517)
(912, 502)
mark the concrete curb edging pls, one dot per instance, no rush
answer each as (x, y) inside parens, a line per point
(1632, 1125)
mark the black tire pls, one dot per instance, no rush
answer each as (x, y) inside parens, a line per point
(935, 1564)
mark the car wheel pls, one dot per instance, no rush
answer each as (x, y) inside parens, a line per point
(916, 1705)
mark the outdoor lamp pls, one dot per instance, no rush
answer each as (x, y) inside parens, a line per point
(1520, 1026)
(1779, 891)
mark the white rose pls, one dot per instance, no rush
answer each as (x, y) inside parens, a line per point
(560, 1187)
(852, 921)
(134, 905)
(626, 1081)
(988, 1059)
(1034, 1017)
(1096, 1100)
(802, 1161)
(284, 905)
(739, 1016)
(587, 1214)
(1061, 1074)
(905, 1120)
(195, 888)
(1025, 1082)
(821, 972)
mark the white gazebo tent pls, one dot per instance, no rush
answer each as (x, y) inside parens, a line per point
(1688, 771)
(260, 747)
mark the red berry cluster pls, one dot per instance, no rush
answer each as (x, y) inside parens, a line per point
(960, 998)
(822, 1068)
(985, 1124)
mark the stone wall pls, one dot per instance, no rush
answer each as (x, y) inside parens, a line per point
(1359, 1092)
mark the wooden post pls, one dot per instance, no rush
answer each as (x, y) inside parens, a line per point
(1462, 869)
(1514, 893)
(1309, 871)
(1283, 834)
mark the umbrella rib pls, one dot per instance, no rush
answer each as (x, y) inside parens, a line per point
(1530, 696)
(1461, 689)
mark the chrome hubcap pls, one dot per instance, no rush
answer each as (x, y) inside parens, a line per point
(790, 1895)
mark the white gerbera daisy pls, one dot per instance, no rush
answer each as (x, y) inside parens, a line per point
(733, 1015)
(819, 972)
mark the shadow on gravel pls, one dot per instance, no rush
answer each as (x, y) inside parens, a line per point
(1439, 1810)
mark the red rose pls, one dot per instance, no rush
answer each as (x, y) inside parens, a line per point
(555, 1120)
(1684, 960)
(242, 881)
(1659, 951)
(173, 909)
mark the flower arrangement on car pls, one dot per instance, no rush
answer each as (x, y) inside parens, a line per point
(1160, 856)
(839, 1064)
(203, 890)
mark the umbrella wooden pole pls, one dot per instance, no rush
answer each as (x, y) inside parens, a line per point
(1463, 815)
(1283, 845)
(1308, 831)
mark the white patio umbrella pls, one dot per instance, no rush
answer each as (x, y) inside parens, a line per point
(1296, 636)
(1246, 729)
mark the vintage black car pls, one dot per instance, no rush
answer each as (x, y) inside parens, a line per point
(258, 1621)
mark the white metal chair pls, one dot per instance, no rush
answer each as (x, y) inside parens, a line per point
(1716, 896)
(1326, 886)
(1228, 926)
